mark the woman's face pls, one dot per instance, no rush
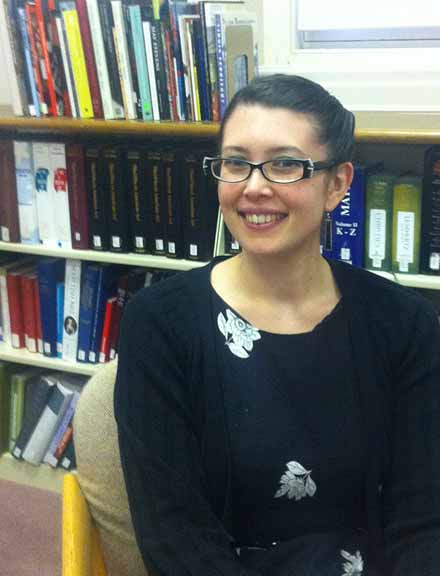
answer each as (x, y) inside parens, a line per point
(293, 211)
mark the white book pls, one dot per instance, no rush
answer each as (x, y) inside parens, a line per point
(58, 181)
(72, 291)
(18, 94)
(124, 62)
(47, 424)
(26, 195)
(111, 108)
(67, 66)
(150, 65)
(44, 194)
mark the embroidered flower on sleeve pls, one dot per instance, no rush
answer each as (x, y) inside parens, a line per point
(240, 336)
(296, 482)
(354, 565)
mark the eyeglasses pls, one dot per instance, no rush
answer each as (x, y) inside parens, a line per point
(280, 170)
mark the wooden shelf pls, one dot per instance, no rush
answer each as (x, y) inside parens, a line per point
(145, 260)
(374, 127)
(23, 356)
(22, 472)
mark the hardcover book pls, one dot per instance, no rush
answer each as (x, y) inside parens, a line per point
(26, 194)
(137, 199)
(58, 180)
(77, 192)
(50, 272)
(44, 194)
(156, 201)
(71, 309)
(94, 170)
(116, 198)
(9, 220)
(407, 201)
(430, 234)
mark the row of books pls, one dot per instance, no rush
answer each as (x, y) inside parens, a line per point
(145, 59)
(386, 221)
(37, 409)
(122, 198)
(66, 308)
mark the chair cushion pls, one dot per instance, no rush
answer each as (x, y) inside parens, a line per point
(100, 474)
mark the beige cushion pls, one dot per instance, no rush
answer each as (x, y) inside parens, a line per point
(100, 474)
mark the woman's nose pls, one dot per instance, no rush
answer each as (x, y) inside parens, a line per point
(257, 184)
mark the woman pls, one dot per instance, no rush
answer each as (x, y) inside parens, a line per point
(279, 413)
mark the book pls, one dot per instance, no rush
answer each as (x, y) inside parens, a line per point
(159, 70)
(68, 460)
(104, 288)
(104, 348)
(43, 48)
(38, 324)
(378, 221)
(6, 267)
(44, 191)
(39, 441)
(77, 193)
(72, 104)
(5, 405)
(15, 298)
(407, 204)
(71, 309)
(20, 380)
(60, 318)
(146, 27)
(50, 272)
(62, 445)
(28, 281)
(26, 194)
(34, 100)
(430, 225)
(89, 289)
(98, 228)
(58, 181)
(37, 56)
(154, 178)
(50, 457)
(77, 59)
(59, 71)
(9, 219)
(172, 164)
(137, 200)
(35, 402)
(115, 198)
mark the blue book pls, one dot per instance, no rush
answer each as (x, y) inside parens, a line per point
(50, 272)
(221, 64)
(105, 278)
(141, 62)
(347, 226)
(89, 288)
(60, 318)
(28, 61)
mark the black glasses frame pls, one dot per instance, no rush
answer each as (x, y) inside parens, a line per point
(309, 168)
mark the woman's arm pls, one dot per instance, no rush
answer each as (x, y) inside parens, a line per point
(412, 497)
(176, 530)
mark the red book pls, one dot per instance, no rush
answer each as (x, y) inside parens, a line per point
(35, 45)
(89, 56)
(56, 61)
(15, 299)
(171, 76)
(28, 308)
(79, 213)
(104, 350)
(36, 293)
(9, 225)
(44, 50)
(67, 436)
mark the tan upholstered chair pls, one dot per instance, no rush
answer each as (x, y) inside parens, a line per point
(100, 474)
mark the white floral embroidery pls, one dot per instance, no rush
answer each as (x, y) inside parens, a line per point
(240, 336)
(354, 565)
(296, 482)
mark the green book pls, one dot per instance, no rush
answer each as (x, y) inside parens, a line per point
(19, 380)
(407, 207)
(379, 221)
(4, 405)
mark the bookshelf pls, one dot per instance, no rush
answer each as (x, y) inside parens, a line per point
(42, 476)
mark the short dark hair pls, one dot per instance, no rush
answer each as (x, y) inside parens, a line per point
(334, 123)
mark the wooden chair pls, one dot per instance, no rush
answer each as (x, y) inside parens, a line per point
(81, 547)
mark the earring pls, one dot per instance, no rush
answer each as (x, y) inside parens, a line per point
(327, 236)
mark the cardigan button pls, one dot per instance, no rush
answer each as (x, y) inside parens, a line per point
(379, 489)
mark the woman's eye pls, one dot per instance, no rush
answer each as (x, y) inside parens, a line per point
(284, 163)
(233, 162)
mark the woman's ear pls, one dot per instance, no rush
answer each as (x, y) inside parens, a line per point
(340, 179)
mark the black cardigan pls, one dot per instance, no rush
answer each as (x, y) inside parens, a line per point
(174, 442)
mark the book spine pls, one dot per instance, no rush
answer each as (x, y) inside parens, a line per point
(137, 194)
(44, 193)
(89, 285)
(98, 228)
(141, 62)
(159, 69)
(176, 49)
(9, 220)
(221, 65)
(34, 104)
(202, 68)
(29, 320)
(430, 234)
(156, 205)
(406, 225)
(32, 31)
(45, 62)
(56, 59)
(151, 70)
(18, 386)
(38, 324)
(378, 221)
(76, 53)
(60, 308)
(77, 192)
(208, 24)
(68, 460)
(49, 457)
(98, 315)
(89, 58)
(13, 284)
(67, 66)
(174, 218)
(57, 151)
(48, 275)
(193, 76)
(121, 299)
(71, 309)
(26, 196)
(116, 201)
(170, 72)
(6, 318)
(60, 449)
(104, 349)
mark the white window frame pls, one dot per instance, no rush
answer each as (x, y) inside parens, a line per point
(390, 79)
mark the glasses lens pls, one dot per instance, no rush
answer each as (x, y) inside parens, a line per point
(284, 170)
(230, 169)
